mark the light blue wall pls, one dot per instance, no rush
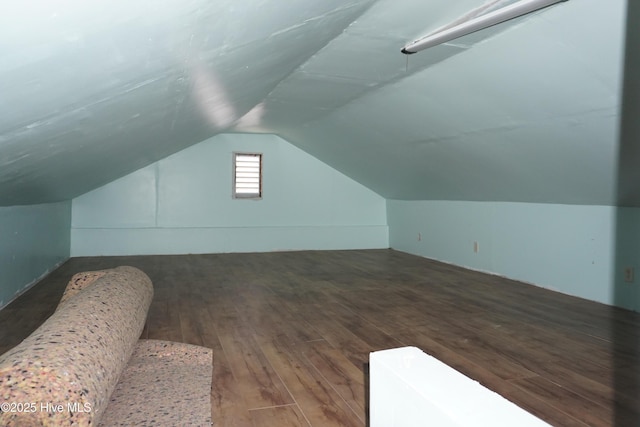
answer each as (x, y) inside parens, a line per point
(627, 254)
(568, 248)
(183, 204)
(34, 240)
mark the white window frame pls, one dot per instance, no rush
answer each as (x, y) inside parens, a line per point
(237, 186)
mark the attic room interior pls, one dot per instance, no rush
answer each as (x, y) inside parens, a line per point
(478, 200)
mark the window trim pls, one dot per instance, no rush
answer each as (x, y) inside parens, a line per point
(234, 189)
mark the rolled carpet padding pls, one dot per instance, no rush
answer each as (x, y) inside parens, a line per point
(65, 372)
(78, 282)
(165, 384)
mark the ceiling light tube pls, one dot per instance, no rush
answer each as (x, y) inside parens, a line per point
(479, 23)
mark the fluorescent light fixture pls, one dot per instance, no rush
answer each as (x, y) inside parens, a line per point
(481, 22)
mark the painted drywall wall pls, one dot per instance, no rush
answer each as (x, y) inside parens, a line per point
(567, 248)
(626, 255)
(34, 240)
(183, 204)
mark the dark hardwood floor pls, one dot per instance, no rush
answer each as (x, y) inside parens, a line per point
(292, 332)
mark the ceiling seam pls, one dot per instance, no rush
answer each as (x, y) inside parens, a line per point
(306, 60)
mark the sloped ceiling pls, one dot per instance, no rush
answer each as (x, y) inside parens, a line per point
(524, 111)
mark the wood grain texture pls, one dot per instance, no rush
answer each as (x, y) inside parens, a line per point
(285, 416)
(291, 333)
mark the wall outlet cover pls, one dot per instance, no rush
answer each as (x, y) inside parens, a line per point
(629, 274)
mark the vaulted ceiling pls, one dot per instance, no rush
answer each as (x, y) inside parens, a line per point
(525, 111)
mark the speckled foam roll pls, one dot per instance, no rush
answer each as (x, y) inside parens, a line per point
(165, 384)
(64, 373)
(78, 282)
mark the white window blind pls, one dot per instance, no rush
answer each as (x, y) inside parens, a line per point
(247, 182)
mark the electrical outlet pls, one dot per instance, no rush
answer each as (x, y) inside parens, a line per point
(476, 247)
(629, 275)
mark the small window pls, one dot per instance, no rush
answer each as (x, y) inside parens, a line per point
(247, 176)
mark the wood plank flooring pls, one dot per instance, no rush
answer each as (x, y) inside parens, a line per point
(292, 333)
